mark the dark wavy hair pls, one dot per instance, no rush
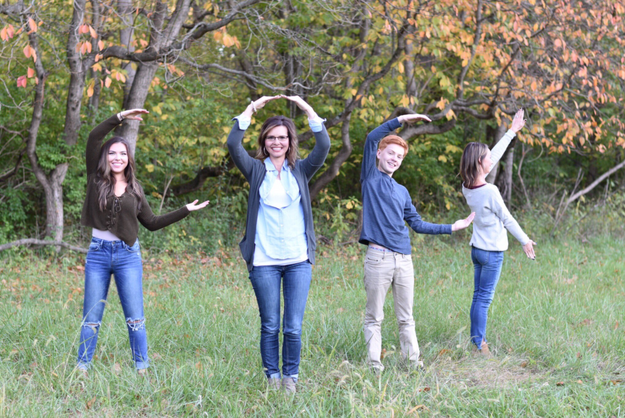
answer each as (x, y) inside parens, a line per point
(293, 151)
(470, 161)
(105, 180)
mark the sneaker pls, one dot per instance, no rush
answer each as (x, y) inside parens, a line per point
(142, 372)
(417, 365)
(273, 383)
(288, 385)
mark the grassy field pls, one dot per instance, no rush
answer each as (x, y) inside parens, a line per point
(557, 329)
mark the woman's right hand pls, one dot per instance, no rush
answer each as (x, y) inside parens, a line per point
(256, 105)
(413, 117)
(529, 249)
(518, 122)
(133, 114)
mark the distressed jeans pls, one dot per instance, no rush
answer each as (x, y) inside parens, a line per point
(487, 269)
(124, 263)
(384, 269)
(295, 281)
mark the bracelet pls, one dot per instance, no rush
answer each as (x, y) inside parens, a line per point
(253, 106)
(120, 117)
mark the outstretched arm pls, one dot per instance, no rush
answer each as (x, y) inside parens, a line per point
(462, 223)
(498, 150)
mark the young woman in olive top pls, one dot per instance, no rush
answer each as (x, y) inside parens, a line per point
(115, 202)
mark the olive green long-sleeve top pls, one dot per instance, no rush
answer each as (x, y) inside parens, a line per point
(121, 215)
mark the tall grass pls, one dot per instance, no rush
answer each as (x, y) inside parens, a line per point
(556, 327)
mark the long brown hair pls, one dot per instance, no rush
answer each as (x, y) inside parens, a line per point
(293, 152)
(105, 180)
(472, 156)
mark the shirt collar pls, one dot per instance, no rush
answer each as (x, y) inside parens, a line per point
(270, 167)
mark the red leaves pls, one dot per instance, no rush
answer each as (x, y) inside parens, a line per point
(21, 81)
(7, 32)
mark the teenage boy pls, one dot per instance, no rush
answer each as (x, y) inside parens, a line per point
(387, 207)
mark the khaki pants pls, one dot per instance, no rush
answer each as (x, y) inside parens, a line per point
(384, 269)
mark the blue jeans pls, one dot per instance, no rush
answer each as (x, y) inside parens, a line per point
(124, 262)
(487, 265)
(266, 281)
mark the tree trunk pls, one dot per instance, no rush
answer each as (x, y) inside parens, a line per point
(124, 8)
(77, 76)
(333, 171)
(138, 94)
(54, 202)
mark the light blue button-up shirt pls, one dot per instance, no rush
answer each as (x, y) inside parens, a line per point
(280, 231)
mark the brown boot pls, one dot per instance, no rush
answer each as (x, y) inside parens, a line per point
(273, 383)
(485, 351)
(288, 385)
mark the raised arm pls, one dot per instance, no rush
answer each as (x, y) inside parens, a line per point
(500, 148)
(374, 137)
(94, 143)
(318, 155)
(239, 155)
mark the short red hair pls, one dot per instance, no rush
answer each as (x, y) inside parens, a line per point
(393, 139)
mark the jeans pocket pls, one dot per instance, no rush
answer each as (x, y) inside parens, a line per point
(134, 249)
(95, 246)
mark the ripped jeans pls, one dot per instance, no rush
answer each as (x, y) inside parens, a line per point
(124, 262)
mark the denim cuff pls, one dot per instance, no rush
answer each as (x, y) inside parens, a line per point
(142, 364)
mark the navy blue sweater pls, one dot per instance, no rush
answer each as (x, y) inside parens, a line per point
(386, 204)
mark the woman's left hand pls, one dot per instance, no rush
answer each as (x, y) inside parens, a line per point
(133, 114)
(463, 223)
(301, 103)
(529, 250)
(194, 206)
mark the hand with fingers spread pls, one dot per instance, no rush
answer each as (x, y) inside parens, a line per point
(132, 114)
(301, 103)
(462, 223)
(519, 121)
(195, 206)
(529, 249)
(413, 117)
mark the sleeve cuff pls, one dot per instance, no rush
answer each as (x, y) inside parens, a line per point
(316, 125)
(244, 122)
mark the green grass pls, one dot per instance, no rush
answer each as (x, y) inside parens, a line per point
(556, 327)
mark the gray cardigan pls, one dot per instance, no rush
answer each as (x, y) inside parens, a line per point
(254, 171)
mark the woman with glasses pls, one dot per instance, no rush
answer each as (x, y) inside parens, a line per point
(279, 241)
(114, 206)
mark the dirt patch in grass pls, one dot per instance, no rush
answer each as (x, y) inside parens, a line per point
(473, 371)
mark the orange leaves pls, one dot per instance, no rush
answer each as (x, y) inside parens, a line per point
(30, 72)
(226, 39)
(7, 32)
(84, 29)
(32, 25)
(29, 51)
